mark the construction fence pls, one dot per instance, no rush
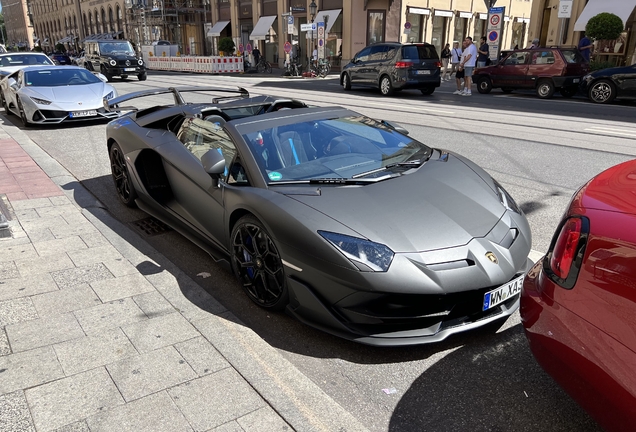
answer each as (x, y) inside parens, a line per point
(212, 64)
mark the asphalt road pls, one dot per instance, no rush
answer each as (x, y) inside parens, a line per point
(541, 151)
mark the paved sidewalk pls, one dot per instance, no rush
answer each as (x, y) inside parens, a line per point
(99, 332)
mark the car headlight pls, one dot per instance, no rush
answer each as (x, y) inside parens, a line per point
(109, 96)
(506, 199)
(113, 62)
(587, 77)
(374, 256)
(41, 101)
(140, 62)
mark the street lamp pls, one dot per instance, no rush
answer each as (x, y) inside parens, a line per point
(312, 14)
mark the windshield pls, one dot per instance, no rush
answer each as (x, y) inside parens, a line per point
(117, 48)
(340, 148)
(25, 59)
(59, 77)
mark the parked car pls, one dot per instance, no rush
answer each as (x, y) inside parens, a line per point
(60, 58)
(392, 66)
(578, 305)
(50, 94)
(11, 62)
(113, 58)
(605, 85)
(300, 202)
(545, 70)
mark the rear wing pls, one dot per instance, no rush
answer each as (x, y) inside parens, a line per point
(114, 104)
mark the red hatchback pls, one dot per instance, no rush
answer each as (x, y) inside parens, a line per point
(578, 304)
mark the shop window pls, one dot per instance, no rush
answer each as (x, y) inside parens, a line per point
(480, 30)
(460, 30)
(415, 34)
(440, 24)
(375, 26)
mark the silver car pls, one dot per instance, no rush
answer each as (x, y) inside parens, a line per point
(14, 61)
(53, 94)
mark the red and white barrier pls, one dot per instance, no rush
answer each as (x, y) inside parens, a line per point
(196, 64)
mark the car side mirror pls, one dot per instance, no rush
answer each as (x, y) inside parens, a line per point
(396, 127)
(12, 83)
(101, 77)
(213, 163)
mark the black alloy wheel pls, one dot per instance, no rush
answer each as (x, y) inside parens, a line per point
(108, 76)
(123, 77)
(346, 82)
(258, 265)
(386, 88)
(142, 76)
(602, 91)
(23, 116)
(121, 178)
(427, 91)
(484, 86)
(545, 89)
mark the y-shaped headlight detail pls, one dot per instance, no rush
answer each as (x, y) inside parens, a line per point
(40, 101)
(376, 256)
(506, 199)
(109, 96)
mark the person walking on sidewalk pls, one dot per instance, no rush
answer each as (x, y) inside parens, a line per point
(469, 59)
(446, 55)
(459, 74)
(456, 55)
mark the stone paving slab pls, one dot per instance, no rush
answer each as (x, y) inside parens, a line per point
(202, 356)
(18, 310)
(81, 275)
(71, 399)
(28, 369)
(113, 314)
(121, 287)
(14, 413)
(67, 300)
(42, 332)
(159, 332)
(26, 286)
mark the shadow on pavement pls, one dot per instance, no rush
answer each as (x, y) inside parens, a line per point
(494, 386)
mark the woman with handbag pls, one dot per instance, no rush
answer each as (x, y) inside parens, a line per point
(446, 56)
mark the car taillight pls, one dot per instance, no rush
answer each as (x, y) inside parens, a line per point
(403, 65)
(438, 64)
(566, 252)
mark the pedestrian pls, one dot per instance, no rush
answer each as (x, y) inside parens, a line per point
(482, 53)
(469, 59)
(585, 46)
(257, 55)
(446, 55)
(535, 44)
(456, 55)
(314, 56)
(459, 74)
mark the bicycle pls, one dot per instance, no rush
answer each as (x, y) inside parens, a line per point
(324, 67)
(264, 66)
(294, 69)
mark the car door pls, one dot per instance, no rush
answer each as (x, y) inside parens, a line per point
(198, 198)
(512, 71)
(356, 72)
(93, 57)
(543, 63)
(377, 57)
(626, 82)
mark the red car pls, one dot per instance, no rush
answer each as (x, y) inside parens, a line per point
(578, 304)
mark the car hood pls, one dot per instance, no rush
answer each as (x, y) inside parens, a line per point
(86, 94)
(122, 57)
(440, 205)
(615, 71)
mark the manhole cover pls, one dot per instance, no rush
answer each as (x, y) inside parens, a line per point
(150, 226)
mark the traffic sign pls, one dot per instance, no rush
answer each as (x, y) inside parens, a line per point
(494, 20)
(290, 24)
(249, 48)
(407, 25)
(287, 47)
(308, 27)
(565, 9)
(321, 40)
(493, 36)
(241, 47)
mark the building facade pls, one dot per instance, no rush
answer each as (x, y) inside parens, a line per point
(445, 21)
(197, 25)
(17, 24)
(552, 30)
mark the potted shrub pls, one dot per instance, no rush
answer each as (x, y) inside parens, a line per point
(226, 46)
(604, 26)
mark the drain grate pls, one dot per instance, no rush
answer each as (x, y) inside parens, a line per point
(150, 226)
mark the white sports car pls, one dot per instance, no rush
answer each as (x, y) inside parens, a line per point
(13, 61)
(53, 94)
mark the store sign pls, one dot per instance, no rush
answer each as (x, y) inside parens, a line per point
(565, 9)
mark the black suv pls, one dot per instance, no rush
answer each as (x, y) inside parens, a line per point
(113, 58)
(392, 66)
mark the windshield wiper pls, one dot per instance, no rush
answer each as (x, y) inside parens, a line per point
(412, 164)
(334, 181)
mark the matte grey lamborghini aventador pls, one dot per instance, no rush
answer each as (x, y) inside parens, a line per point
(343, 221)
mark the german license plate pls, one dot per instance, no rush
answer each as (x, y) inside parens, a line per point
(503, 293)
(423, 72)
(129, 69)
(89, 113)
(575, 80)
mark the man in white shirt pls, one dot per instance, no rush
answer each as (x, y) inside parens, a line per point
(469, 59)
(456, 55)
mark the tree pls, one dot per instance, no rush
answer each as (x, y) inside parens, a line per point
(226, 44)
(604, 26)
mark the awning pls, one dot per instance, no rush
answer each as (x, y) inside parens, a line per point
(332, 16)
(622, 8)
(217, 28)
(64, 40)
(261, 30)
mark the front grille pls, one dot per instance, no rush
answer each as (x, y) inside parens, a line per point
(49, 114)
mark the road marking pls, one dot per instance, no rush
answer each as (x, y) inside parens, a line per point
(613, 131)
(385, 105)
